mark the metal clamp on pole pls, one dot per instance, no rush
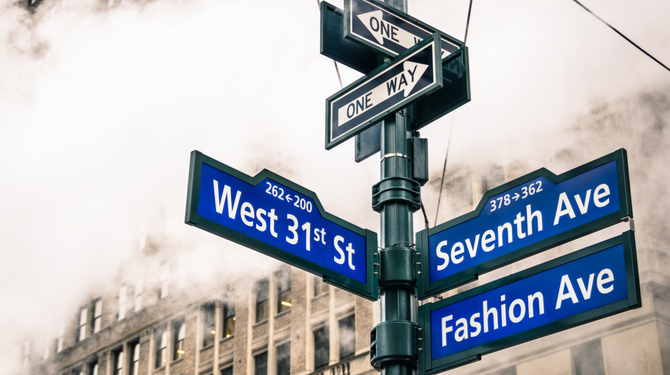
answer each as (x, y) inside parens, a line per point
(393, 341)
(396, 189)
(397, 267)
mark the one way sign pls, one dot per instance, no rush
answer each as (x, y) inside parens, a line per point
(388, 30)
(387, 89)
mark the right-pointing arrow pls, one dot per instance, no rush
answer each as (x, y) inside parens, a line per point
(403, 81)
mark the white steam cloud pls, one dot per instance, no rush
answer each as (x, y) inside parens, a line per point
(99, 109)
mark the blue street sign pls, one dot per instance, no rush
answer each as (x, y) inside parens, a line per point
(385, 90)
(388, 30)
(523, 217)
(577, 288)
(279, 218)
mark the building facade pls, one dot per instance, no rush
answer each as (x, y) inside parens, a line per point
(289, 322)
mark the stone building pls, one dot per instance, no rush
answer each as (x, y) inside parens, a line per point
(289, 322)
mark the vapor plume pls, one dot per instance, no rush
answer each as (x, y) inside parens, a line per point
(102, 102)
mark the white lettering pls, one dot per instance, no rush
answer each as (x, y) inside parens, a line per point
(522, 312)
(457, 253)
(586, 291)
(489, 237)
(583, 207)
(602, 191)
(442, 255)
(221, 201)
(246, 212)
(472, 250)
(601, 281)
(338, 240)
(565, 283)
(563, 201)
(446, 329)
(540, 298)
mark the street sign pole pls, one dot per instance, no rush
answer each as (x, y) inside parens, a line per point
(393, 347)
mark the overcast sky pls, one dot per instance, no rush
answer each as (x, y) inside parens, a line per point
(100, 110)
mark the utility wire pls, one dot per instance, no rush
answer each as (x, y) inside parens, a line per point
(444, 170)
(446, 156)
(467, 24)
(318, 4)
(620, 34)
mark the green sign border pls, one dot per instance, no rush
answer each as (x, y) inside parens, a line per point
(428, 366)
(369, 290)
(426, 289)
(437, 84)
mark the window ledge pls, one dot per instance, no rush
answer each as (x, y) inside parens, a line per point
(227, 338)
(285, 312)
(177, 361)
(324, 295)
(260, 323)
(210, 346)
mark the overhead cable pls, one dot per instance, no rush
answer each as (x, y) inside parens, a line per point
(623, 36)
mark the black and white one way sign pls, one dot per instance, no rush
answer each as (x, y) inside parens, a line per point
(387, 89)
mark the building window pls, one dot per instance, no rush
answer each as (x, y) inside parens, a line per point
(26, 355)
(165, 281)
(228, 319)
(262, 295)
(321, 347)
(587, 358)
(97, 315)
(179, 336)
(319, 286)
(122, 302)
(58, 346)
(261, 364)
(138, 296)
(81, 329)
(347, 331)
(161, 338)
(209, 332)
(135, 358)
(227, 371)
(118, 362)
(93, 368)
(284, 359)
(284, 300)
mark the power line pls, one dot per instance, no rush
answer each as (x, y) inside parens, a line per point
(623, 36)
(467, 23)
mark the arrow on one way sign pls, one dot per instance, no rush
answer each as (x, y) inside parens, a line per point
(403, 81)
(388, 30)
(391, 87)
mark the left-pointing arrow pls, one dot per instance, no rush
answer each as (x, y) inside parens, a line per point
(381, 29)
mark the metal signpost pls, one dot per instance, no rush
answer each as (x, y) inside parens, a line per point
(522, 217)
(577, 288)
(385, 90)
(363, 57)
(279, 218)
(427, 78)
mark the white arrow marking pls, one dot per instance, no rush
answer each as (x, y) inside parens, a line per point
(381, 30)
(405, 81)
